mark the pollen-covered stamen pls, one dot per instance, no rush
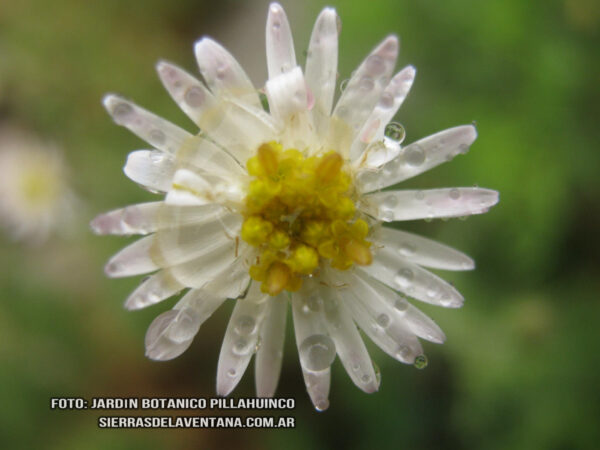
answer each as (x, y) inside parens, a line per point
(299, 212)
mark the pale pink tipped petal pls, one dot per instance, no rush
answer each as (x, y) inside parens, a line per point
(321, 66)
(397, 272)
(287, 94)
(135, 259)
(385, 109)
(419, 157)
(281, 56)
(223, 74)
(156, 288)
(422, 251)
(429, 204)
(270, 352)
(348, 342)
(156, 131)
(241, 339)
(152, 169)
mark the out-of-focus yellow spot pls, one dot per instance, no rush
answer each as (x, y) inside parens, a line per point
(300, 213)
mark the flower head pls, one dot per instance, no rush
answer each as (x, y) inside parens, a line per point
(35, 198)
(285, 206)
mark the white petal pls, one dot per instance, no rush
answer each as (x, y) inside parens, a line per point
(321, 66)
(429, 204)
(399, 309)
(315, 348)
(172, 332)
(387, 106)
(156, 131)
(154, 289)
(280, 45)
(223, 74)
(419, 157)
(134, 219)
(233, 280)
(189, 93)
(240, 341)
(400, 274)
(422, 251)
(348, 343)
(207, 156)
(368, 309)
(376, 155)
(366, 85)
(134, 259)
(287, 93)
(270, 352)
(201, 188)
(152, 169)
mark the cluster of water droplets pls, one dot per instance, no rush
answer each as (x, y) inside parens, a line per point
(171, 333)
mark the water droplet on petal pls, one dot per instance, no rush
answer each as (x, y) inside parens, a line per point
(317, 352)
(343, 85)
(122, 112)
(386, 101)
(366, 84)
(322, 404)
(404, 277)
(231, 372)
(454, 194)
(403, 352)
(375, 65)
(157, 137)
(401, 305)
(414, 155)
(407, 249)
(395, 131)
(241, 347)
(383, 320)
(156, 156)
(421, 362)
(245, 325)
(419, 195)
(390, 201)
(194, 96)
(365, 378)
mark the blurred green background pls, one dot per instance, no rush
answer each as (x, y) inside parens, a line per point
(520, 366)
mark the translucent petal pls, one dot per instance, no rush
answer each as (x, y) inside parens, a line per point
(287, 93)
(154, 289)
(366, 85)
(201, 188)
(422, 251)
(369, 310)
(223, 74)
(376, 155)
(400, 274)
(233, 280)
(281, 56)
(270, 352)
(152, 169)
(156, 131)
(429, 204)
(315, 347)
(348, 343)
(385, 109)
(419, 157)
(321, 67)
(241, 338)
(135, 259)
(190, 94)
(134, 219)
(205, 155)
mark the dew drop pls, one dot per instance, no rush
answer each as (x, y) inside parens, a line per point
(395, 132)
(366, 84)
(184, 327)
(404, 277)
(386, 101)
(159, 325)
(317, 352)
(390, 201)
(365, 378)
(401, 305)
(419, 195)
(407, 249)
(414, 155)
(375, 65)
(383, 320)
(321, 404)
(343, 85)
(446, 301)
(463, 148)
(122, 112)
(194, 96)
(454, 194)
(403, 352)
(387, 215)
(157, 137)
(156, 156)
(245, 325)
(421, 362)
(241, 347)
(276, 25)
(232, 372)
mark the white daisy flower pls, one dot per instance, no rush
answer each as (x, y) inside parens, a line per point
(35, 198)
(286, 206)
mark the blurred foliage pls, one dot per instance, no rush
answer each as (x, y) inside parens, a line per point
(519, 369)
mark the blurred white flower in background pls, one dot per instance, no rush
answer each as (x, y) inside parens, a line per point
(286, 206)
(35, 197)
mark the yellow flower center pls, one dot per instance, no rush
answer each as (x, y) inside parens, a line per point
(299, 212)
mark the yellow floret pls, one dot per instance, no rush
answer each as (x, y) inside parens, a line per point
(256, 230)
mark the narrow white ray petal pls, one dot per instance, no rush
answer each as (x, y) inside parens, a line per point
(429, 204)
(281, 56)
(348, 343)
(223, 74)
(422, 251)
(172, 332)
(376, 155)
(321, 66)
(390, 101)
(205, 155)
(240, 341)
(370, 311)
(397, 308)
(287, 93)
(232, 281)
(419, 157)
(201, 188)
(366, 85)
(397, 272)
(158, 132)
(189, 93)
(270, 351)
(177, 245)
(135, 259)
(154, 289)
(134, 219)
(315, 348)
(152, 169)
